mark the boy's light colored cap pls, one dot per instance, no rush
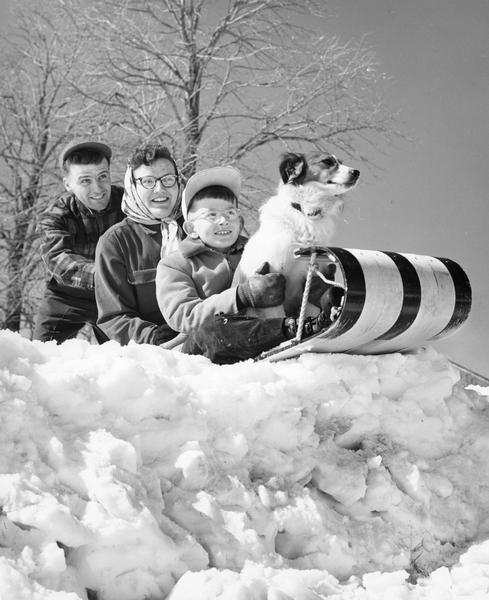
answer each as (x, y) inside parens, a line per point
(84, 144)
(226, 176)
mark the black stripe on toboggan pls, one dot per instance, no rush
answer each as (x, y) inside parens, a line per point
(355, 294)
(411, 300)
(463, 296)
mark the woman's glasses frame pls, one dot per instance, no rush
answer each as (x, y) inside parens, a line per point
(148, 182)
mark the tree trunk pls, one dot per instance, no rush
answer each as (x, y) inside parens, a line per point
(14, 294)
(18, 255)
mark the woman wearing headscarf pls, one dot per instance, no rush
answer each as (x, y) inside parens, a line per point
(128, 253)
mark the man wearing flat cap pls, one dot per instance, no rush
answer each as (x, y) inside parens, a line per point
(70, 229)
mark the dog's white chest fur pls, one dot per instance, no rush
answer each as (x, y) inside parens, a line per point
(301, 214)
(284, 228)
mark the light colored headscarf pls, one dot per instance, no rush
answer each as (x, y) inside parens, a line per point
(135, 209)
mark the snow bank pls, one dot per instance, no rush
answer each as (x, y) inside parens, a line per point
(139, 473)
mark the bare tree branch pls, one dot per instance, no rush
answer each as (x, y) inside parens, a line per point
(258, 72)
(219, 82)
(37, 116)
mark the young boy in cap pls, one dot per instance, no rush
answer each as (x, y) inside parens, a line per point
(70, 229)
(193, 284)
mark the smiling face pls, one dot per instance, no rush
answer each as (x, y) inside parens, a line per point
(160, 200)
(215, 221)
(90, 184)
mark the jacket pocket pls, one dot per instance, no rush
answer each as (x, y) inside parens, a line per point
(141, 277)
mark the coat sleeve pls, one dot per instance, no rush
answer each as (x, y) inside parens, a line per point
(57, 242)
(178, 298)
(116, 299)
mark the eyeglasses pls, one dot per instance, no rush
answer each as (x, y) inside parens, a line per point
(214, 216)
(149, 183)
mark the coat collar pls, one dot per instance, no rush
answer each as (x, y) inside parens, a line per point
(193, 247)
(149, 229)
(153, 229)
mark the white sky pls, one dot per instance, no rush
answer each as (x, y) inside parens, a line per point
(430, 196)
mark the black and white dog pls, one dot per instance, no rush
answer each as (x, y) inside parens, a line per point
(302, 213)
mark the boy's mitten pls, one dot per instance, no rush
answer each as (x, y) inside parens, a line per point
(262, 289)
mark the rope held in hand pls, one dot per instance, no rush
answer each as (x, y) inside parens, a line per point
(305, 296)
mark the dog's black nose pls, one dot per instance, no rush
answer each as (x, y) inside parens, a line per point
(355, 174)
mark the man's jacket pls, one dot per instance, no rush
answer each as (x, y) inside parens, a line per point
(69, 235)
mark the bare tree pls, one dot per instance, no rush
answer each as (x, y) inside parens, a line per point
(233, 81)
(37, 116)
(236, 82)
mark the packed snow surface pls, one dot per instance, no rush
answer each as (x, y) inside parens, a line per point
(131, 473)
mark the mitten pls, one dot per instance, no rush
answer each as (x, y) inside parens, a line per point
(262, 289)
(163, 333)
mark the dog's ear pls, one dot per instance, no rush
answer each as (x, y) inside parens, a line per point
(293, 168)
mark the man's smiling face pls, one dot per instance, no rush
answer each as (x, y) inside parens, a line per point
(90, 184)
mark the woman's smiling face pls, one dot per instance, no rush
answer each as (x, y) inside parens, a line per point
(160, 200)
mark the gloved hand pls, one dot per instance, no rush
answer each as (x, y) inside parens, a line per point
(262, 289)
(331, 301)
(163, 333)
(319, 287)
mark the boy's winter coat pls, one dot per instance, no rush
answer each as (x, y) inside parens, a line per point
(193, 283)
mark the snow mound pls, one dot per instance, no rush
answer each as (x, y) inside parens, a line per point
(131, 473)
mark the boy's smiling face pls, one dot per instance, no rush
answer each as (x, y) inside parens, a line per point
(215, 221)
